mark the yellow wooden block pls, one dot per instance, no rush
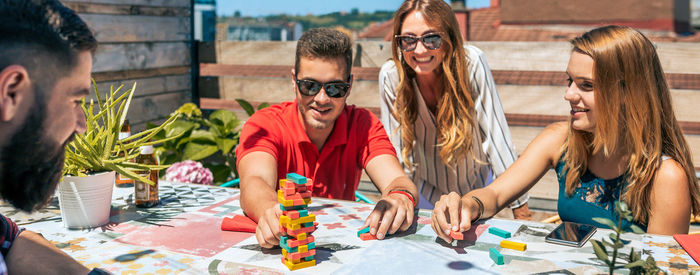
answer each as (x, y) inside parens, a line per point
(293, 266)
(301, 236)
(513, 245)
(303, 248)
(291, 226)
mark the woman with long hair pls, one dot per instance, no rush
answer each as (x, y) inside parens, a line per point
(440, 107)
(622, 143)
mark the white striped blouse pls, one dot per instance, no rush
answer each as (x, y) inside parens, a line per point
(492, 143)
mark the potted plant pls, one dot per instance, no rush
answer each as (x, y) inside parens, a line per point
(85, 192)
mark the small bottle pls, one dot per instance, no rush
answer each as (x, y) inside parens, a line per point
(123, 181)
(146, 195)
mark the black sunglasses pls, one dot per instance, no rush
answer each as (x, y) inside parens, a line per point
(431, 41)
(333, 89)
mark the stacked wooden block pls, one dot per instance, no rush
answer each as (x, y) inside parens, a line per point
(298, 247)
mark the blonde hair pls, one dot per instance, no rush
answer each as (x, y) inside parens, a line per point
(634, 115)
(455, 109)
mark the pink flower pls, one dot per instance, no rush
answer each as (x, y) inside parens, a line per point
(189, 171)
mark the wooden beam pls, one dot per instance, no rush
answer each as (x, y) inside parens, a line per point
(138, 28)
(676, 81)
(97, 8)
(137, 56)
(530, 120)
(145, 73)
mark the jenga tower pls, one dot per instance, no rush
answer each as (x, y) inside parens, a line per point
(298, 247)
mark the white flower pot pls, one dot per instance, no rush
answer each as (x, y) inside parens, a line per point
(85, 202)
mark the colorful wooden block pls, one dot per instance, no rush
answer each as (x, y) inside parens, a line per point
(496, 256)
(513, 245)
(300, 220)
(287, 248)
(296, 256)
(362, 231)
(310, 258)
(293, 266)
(456, 235)
(311, 245)
(289, 208)
(295, 243)
(499, 232)
(295, 232)
(296, 178)
(303, 248)
(367, 237)
(294, 196)
(295, 202)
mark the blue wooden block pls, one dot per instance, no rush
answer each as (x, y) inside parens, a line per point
(289, 249)
(496, 256)
(499, 232)
(362, 231)
(283, 240)
(307, 224)
(296, 207)
(311, 245)
(296, 178)
(303, 213)
(310, 258)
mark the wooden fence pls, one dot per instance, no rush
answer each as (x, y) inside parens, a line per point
(143, 41)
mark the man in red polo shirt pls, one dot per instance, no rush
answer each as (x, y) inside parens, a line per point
(320, 137)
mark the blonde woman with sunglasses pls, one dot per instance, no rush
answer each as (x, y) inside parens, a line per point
(440, 107)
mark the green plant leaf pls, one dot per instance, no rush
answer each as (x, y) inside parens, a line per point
(179, 127)
(196, 151)
(221, 172)
(607, 222)
(263, 106)
(636, 229)
(600, 251)
(224, 118)
(225, 144)
(638, 263)
(246, 106)
(202, 136)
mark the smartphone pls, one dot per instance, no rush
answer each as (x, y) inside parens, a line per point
(571, 234)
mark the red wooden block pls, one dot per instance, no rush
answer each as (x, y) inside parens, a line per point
(456, 235)
(298, 255)
(292, 214)
(295, 243)
(367, 237)
(296, 232)
(289, 191)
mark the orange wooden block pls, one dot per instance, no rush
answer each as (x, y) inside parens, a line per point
(297, 255)
(456, 235)
(295, 243)
(367, 237)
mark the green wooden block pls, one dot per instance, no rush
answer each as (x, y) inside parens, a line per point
(496, 256)
(499, 232)
(362, 231)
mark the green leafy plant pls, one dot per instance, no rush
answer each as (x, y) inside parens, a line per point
(634, 263)
(98, 149)
(208, 139)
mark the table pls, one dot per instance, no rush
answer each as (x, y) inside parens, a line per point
(183, 236)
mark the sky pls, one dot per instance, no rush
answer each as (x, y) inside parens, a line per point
(316, 7)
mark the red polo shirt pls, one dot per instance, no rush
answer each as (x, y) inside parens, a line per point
(357, 137)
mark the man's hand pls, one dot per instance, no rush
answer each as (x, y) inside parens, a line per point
(268, 230)
(451, 212)
(392, 213)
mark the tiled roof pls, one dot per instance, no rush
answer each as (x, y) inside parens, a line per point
(378, 30)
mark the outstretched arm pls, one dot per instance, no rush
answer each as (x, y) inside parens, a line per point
(394, 211)
(456, 213)
(258, 171)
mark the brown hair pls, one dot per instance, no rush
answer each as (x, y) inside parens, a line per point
(455, 110)
(634, 115)
(326, 44)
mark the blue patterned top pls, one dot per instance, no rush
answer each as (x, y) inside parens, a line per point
(594, 197)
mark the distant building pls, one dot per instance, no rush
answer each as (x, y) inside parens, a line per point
(562, 20)
(261, 31)
(205, 20)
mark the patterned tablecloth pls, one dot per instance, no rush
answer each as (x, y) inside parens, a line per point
(183, 236)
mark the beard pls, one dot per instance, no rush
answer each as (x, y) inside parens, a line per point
(31, 164)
